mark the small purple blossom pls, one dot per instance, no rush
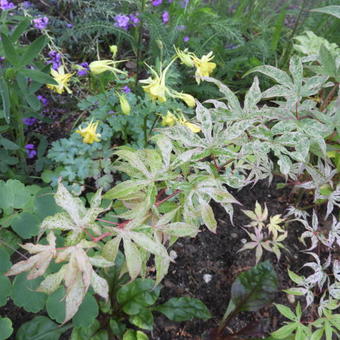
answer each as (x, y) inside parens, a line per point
(2, 58)
(43, 100)
(29, 121)
(69, 25)
(122, 21)
(126, 89)
(40, 23)
(134, 19)
(156, 2)
(180, 27)
(83, 69)
(26, 4)
(5, 5)
(55, 59)
(186, 38)
(30, 150)
(165, 17)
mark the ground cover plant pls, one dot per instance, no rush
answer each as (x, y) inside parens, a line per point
(164, 181)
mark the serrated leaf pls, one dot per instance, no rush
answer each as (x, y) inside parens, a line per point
(180, 229)
(253, 96)
(124, 189)
(278, 75)
(285, 331)
(183, 309)
(328, 63)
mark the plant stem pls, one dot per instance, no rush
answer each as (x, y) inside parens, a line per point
(139, 43)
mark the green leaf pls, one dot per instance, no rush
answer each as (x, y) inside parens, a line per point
(331, 10)
(280, 76)
(87, 313)
(117, 327)
(85, 333)
(5, 262)
(137, 295)
(286, 311)
(45, 203)
(183, 309)
(13, 194)
(133, 258)
(253, 288)
(6, 103)
(10, 241)
(328, 63)
(285, 331)
(55, 305)
(38, 76)
(6, 328)
(208, 216)
(40, 328)
(135, 335)
(26, 225)
(24, 294)
(9, 51)
(143, 320)
(20, 29)
(5, 289)
(33, 50)
(7, 144)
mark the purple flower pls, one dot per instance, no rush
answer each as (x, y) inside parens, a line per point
(26, 4)
(30, 150)
(186, 39)
(157, 2)
(43, 100)
(83, 69)
(40, 23)
(122, 21)
(134, 19)
(69, 25)
(165, 17)
(126, 89)
(5, 5)
(180, 27)
(55, 59)
(29, 121)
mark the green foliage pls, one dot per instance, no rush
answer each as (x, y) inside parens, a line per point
(40, 328)
(21, 75)
(6, 328)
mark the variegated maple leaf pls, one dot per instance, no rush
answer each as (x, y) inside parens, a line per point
(37, 264)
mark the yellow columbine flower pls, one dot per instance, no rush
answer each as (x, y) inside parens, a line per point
(62, 79)
(124, 104)
(193, 127)
(169, 119)
(89, 133)
(203, 66)
(187, 58)
(100, 66)
(187, 98)
(155, 87)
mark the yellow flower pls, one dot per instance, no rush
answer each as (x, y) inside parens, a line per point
(187, 98)
(124, 104)
(100, 66)
(89, 133)
(185, 57)
(193, 127)
(155, 87)
(62, 79)
(169, 119)
(203, 66)
(113, 50)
